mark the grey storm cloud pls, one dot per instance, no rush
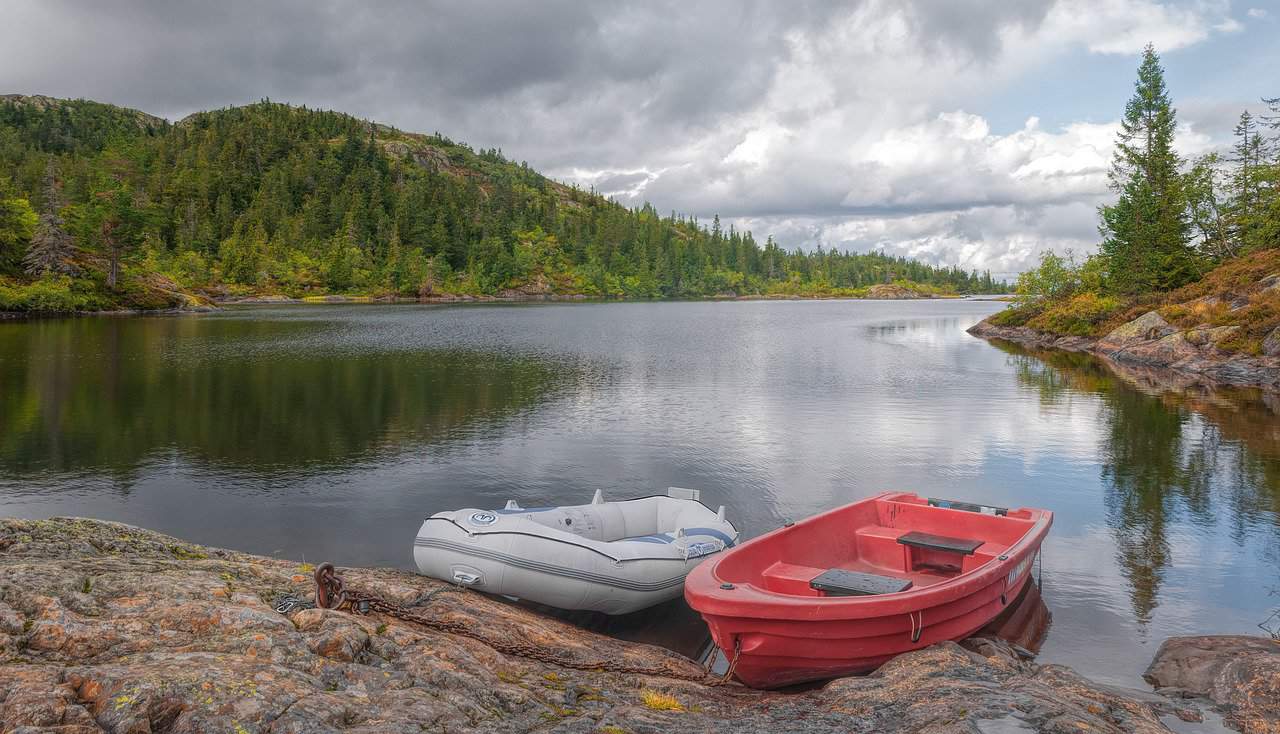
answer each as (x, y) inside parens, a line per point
(766, 112)
(476, 69)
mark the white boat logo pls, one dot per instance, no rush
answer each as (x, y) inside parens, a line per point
(483, 518)
(1022, 566)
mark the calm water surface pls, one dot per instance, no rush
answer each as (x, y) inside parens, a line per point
(327, 433)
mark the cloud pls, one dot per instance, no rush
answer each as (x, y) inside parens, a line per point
(863, 123)
(1258, 13)
(1125, 26)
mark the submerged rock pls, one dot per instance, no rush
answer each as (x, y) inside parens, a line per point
(107, 627)
(1239, 673)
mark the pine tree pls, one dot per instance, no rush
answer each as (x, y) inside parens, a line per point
(242, 254)
(51, 246)
(117, 218)
(1146, 233)
(1210, 216)
(339, 266)
(394, 264)
(1248, 183)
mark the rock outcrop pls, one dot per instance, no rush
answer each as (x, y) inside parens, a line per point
(107, 627)
(894, 292)
(1149, 342)
(1240, 674)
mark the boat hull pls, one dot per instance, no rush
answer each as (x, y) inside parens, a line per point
(780, 640)
(562, 556)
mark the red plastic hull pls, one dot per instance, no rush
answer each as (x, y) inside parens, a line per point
(782, 632)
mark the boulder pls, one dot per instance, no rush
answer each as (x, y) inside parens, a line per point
(1203, 336)
(1271, 343)
(1239, 673)
(1147, 327)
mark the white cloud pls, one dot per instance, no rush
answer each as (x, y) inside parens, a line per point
(838, 123)
(1125, 26)
(1256, 13)
(861, 141)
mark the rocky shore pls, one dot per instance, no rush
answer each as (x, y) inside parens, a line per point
(1188, 356)
(110, 628)
(1240, 674)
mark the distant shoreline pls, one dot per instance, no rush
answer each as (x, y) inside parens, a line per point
(219, 304)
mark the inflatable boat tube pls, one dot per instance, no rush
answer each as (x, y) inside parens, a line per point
(611, 557)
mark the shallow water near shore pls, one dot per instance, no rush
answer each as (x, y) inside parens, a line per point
(328, 432)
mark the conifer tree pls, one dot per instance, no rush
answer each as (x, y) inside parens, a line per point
(51, 246)
(1146, 233)
(1248, 183)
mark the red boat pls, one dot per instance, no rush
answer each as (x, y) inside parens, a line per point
(843, 592)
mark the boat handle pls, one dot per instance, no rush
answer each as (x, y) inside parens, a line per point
(967, 507)
(465, 579)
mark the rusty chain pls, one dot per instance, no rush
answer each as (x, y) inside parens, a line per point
(333, 593)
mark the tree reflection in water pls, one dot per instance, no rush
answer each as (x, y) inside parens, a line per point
(1172, 453)
(236, 395)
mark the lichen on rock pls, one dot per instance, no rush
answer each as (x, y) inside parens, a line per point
(179, 638)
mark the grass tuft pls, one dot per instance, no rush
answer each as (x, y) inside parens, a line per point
(658, 701)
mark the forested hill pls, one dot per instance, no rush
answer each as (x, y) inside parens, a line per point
(104, 205)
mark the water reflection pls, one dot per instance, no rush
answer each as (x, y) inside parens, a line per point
(327, 433)
(1172, 455)
(105, 396)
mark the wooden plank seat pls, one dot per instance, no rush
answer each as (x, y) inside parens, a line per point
(928, 541)
(842, 582)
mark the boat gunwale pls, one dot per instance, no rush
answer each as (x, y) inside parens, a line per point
(951, 609)
(578, 541)
(746, 600)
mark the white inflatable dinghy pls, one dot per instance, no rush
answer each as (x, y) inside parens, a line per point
(611, 557)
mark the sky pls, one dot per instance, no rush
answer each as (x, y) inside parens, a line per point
(959, 132)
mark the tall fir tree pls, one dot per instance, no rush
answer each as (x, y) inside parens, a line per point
(52, 247)
(1248, 183)
(1147, 232)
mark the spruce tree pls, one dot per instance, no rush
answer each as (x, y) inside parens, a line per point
(1146, 233)
(51, 246)
(1248, 183)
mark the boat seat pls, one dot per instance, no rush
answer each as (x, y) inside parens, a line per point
(842, 582)
(928, 541)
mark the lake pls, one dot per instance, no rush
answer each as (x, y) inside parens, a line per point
(329, 432)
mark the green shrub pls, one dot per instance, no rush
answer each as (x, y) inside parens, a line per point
(1017, 315)
(52, 293)
(1079, 315)
(191, 270)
